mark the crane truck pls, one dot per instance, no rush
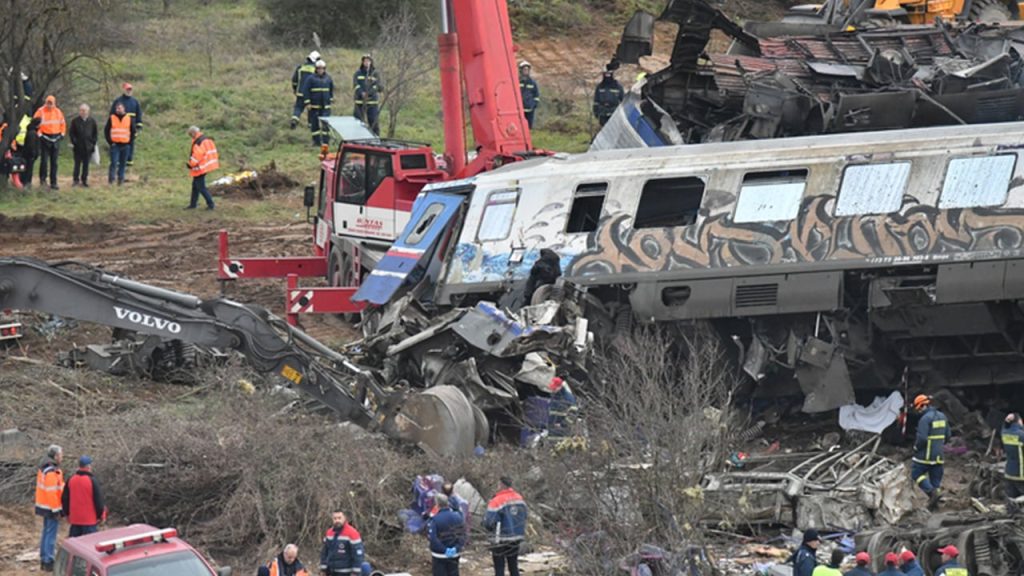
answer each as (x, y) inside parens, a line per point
(368, 186)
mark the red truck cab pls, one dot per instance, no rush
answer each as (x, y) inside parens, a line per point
(136, 550)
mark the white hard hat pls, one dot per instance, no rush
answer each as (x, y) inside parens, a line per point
(314, 56)
(525, 63)
(321, 64)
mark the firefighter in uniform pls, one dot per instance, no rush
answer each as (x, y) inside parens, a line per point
(302, 71)
(529, 91)
(607, 97)
(342, 552)
(1013, 445)
(950, 566)
(366, 84)
(49, 492)
(203, 159)
(318, 92)
(564, 409)
(932, 435)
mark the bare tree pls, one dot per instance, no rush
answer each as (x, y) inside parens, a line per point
(46, 41)
(404, 55)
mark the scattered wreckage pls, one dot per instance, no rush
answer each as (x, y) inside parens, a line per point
(790, 79)
(989, 546)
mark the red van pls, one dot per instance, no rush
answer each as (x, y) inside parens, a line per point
(136, 550)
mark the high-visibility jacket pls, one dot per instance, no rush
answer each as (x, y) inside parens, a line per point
(203, 158)
(952, 568)
(22, 130)
(131, 107)
(83, 500)
(51, 121)
(302, 72)
(530, 92)
(1013, 445)
(279, 568)
(366, 83)
(120, 129)
(318, 92)
(342, 552)
(826, 571)
(49, 488)
(506, 517)
(932, 434)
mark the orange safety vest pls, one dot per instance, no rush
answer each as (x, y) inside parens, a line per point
(120, 129)
(204, 158)
(277, 570)
(49, 489)
(51, 121)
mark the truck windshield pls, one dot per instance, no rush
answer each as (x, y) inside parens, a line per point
(183, 563)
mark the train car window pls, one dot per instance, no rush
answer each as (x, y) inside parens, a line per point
(872, 188)
(669, 202)
(972, 182)
(770, 196)
(587, 204)
(425, 221)
(496, 221)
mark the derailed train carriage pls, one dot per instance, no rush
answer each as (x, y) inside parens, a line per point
(832, 262)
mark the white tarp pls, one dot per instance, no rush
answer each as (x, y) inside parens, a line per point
(874, 418)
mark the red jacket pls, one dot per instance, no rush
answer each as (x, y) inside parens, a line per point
(83, 500)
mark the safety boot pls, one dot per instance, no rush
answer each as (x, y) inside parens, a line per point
(933, 500)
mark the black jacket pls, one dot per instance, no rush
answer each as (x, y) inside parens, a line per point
(30, 149)
(83, 134)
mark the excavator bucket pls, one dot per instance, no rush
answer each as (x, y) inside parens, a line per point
(440, 420)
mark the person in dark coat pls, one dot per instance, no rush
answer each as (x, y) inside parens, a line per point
(909, 565)
(366, 83)
(863, 560)
(804, 559)
(28, 149)
(607, 97)
(83, 135)
(545, 270)
(447, 535)
(302, 71)
(529, 91)
(317, 92)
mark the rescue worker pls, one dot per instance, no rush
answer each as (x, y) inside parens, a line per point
(950, 566)
(52, 129)
(863, 560)
(366, 84)
(932, 435)
(49, 492)
(134, 110)
(804, 559)
(909, 565)
(563, 410)
(119, 132)
(26, 87)
(26, 145)
(607, 96)
(83, 135)
(202, 160)
(529, 90)
(287, 563)
(447, 536)
(545, 270)
(1013, 445)
(83, 500)
(302, 71)
(891, 560)
(317, 92)
(342, 552)
(832, 569)
(505, 520)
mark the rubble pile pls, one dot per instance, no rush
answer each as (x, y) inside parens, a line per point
(778, 81)
(987, 546)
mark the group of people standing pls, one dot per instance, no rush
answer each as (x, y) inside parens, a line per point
(314, 90)
(80, 500)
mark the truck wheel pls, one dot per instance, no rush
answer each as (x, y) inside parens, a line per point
(990, 11)
(339, 274)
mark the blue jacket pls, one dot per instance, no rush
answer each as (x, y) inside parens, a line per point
(952, 568)
(131, 107)
(562, 412)
(859, 571)
(1013, 445)
(804, 561)
(891, 571)
(317, 92)
(932, 435)
(607, 97)
(912, 568)
(302, 71)
(506, 517)
(366, 86)
(342, 552)
(447, 530)
(531, 93)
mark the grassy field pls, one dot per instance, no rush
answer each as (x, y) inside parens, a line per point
(210, 65)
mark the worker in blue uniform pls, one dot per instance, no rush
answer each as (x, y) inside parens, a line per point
(1013, 446)
(529, 90)
(932, 434)
(607, 97)
(804, 559)
(302, 71)
(318, 93)
(367, 87)
(950, 565)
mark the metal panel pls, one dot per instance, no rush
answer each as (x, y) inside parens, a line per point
(1013, 282)
(683, 300)
(970, 282)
